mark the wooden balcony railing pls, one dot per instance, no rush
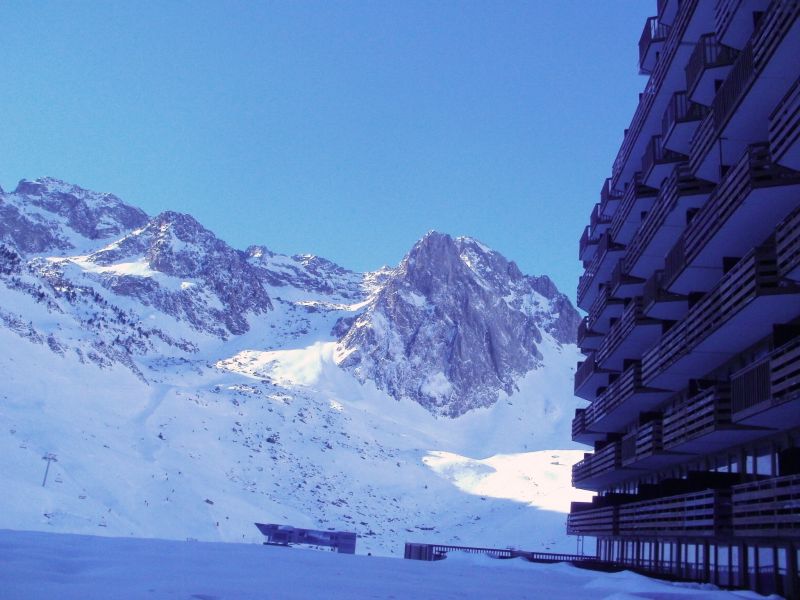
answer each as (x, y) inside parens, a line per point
(784, 123)
(681, 110)
(753, 275)
(697, 415)
(645, 441)
(776, 22)
(579, 422)
(732, 89)
(654, 32)
(679, 184)
(770, 381)
(632, 316)
(708, 53)
(592, 521)
(754, 170)
(587, 246)
(656, 154)
(605, 246)
(636, 191)
(767, 508)
(652, 88)
(598, 222)
(702, 141)
(603, 461)
(787, 244)
(699, 513)
(618, 392)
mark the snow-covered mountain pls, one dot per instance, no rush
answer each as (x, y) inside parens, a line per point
(188, 388)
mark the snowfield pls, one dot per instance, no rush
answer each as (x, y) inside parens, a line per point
(37, 566)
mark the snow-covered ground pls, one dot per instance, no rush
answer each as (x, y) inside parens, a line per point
(38, 566)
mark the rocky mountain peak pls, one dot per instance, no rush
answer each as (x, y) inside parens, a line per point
(455, 325)
(94, 215)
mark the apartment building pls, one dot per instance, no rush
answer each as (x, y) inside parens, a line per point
(692, 290)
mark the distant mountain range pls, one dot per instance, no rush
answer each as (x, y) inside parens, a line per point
(98, 300)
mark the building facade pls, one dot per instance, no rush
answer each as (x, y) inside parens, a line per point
(692, 290)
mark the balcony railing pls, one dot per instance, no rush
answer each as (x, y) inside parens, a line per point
(598, 222)
(699, 513)
(653, 36)
(680, 184)
(592, 521)
(768, 382)
(787, 246)
(603, 461)
(681, 110)
(642, 443)
(617, 392)
(636, 194)
(652, 88)
(632, 317)
(605, 248)
(579, 423)
(655, 156)
(708, 54)
(784, 126)
(753, 275)
(655, 293)
(698, 415)
(732, 89)
(754, 170)
(587, 246)
(587, 339)
(776, 22)
(609, 198)
(767, 508)
(702, 141)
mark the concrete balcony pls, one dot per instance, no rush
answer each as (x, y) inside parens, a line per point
(755, 195)
(587, 247)
(767, 393)
(610, 198)
(658, 162)
(667, 78)
(589, 378)
(787, 246)
(600, 469)
(660, 303)
(699, 514)
(622, 402)
(700, 423)
(736, 19)
(624, 285)
(766, 68)
(605, 308)
(738, 312)
(628, 338)
(643, 448)
(580, 430)
(680, 121)
(598, 222)
(784, 129)
(637, 200)
(709, 64)
(588, 340)
(585, 520)
(651, 43)
(768, 508)
(681, 196)
(599, 270)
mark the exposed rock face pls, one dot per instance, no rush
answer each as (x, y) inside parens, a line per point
(452, 327)
(455, 324)
(209, 284)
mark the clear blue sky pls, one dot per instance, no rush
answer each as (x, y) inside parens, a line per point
(344, 129)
